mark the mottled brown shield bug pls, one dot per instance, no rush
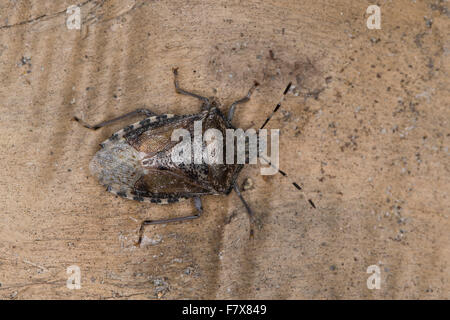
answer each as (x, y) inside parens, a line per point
(135, 162)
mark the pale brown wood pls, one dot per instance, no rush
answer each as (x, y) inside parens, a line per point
(364, 132)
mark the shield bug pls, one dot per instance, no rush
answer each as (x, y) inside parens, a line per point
(136, 163)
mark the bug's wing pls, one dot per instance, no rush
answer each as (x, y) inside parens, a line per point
(165, 183)
(156, 137)
(162, 178)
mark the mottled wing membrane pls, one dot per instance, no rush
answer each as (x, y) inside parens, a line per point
(164, 183)
(156, 137)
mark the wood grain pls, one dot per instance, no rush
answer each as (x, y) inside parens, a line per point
(365, 132)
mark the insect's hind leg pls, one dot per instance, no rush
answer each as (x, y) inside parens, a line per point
(244, 99)
(182, 91)
(198, 206)
(249, 210)
(145, 112)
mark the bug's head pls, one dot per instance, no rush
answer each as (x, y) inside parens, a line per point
(213, 102)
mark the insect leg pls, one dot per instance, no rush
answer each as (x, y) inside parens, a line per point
(244, 99)
(181, 91)
(198, 206)
(145, 112)
(249, 210)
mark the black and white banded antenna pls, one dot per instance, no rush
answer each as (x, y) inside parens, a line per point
(277, 107)
(284, 174)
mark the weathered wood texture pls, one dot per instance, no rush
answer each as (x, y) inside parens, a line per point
(366, 132)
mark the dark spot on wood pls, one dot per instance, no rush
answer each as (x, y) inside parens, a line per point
(271, 54)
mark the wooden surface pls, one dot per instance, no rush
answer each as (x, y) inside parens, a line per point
(365, 132)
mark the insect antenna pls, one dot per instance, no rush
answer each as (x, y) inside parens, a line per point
(277, 107)
(284, 174)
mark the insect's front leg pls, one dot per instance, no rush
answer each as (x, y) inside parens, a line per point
(198, 206)
(251, 216)
(146, 112)
(244, 99)
(182, 91)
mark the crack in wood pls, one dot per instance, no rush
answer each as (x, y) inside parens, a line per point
(41, 17)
